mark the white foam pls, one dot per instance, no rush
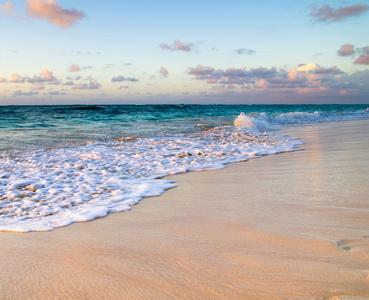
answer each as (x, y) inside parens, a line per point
(259, 123)
(264, 122)
(44, 189)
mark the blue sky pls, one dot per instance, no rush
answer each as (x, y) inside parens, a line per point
(64, 52)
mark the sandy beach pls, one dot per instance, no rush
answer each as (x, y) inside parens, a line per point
(287, 226)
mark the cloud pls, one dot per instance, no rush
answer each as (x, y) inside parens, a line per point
(346, 50)
(245, 51)
(165, 47)
(306, 78)
(362, 60)
(178, 46)
(20, 93)
(54, 93)
(38, 87)
(3, 80)
(230, 75)
(122, 78)
(74, 68)
(92, 85)
(45, 76)
(363, 51)
(308, 83)
(16, 78)
(8, 9)
(326, 13)
(163, 71)
(201, 70)
(51, 11)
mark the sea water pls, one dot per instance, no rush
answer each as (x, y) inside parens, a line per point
(65, 164)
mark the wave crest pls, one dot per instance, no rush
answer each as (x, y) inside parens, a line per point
(260, 123)
(265, 122)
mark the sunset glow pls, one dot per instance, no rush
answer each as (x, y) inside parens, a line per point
(74, 52)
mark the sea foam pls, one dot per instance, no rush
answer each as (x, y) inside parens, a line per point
(259, 123)
(263, 121)
(101, 168)
(44, 189)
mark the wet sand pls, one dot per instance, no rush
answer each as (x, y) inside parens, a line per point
(288, 226)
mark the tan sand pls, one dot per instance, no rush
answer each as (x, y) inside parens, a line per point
(289, 226)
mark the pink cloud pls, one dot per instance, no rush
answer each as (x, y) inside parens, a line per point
(212, 80)
(178, 46)
(48, 75)
(16, 78)
(304, 78)
(346, 50)
(163, 71)
(51, 11)
(74, 68)
(165, 47)
(2, 80)
(8, 9)
(201, 70)
(92, 85)
(327, 13)
(45, 76)
(262, 84)
(38, 87)
(362, 60)
(81, 86)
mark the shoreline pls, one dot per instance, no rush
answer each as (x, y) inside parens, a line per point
(293, 225)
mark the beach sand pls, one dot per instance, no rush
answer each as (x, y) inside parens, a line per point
(287, 226)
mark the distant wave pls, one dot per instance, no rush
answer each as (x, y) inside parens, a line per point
(264, 122)
(83, 107)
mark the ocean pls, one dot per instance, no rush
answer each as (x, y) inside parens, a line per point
(65, 164)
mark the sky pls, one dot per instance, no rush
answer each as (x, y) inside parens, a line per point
(198, 52)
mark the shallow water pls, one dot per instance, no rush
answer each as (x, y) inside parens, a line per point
(64, 164)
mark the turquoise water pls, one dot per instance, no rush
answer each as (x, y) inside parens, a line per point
(65, 164)
(25, 127)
